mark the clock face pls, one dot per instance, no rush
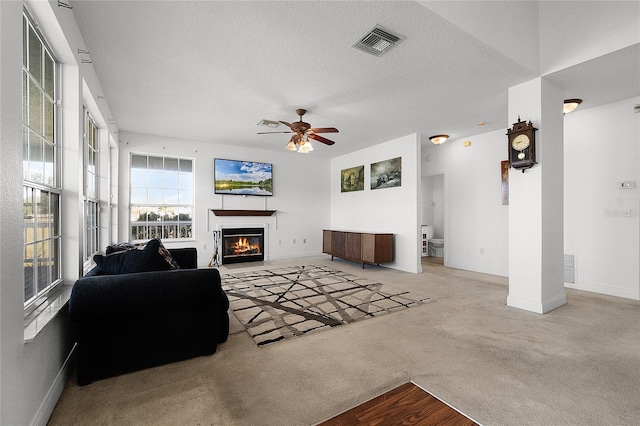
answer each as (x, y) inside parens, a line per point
(520, 142)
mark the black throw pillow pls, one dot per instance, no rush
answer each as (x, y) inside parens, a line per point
(129, 261)
(114, 248)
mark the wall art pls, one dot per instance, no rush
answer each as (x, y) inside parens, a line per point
(352, 179)
(386, 174)
(504, 181)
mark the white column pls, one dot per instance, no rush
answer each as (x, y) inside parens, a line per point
(536, 197)
(72, 172)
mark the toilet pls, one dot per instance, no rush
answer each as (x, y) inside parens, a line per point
(435, 246)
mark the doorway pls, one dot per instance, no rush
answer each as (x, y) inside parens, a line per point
(433, 213)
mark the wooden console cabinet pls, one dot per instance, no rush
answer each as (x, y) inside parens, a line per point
(358, 246)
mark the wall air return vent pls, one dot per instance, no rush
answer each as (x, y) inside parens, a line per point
(569, 268)
(377, 41)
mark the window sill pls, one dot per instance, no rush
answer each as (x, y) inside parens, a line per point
(35, 321)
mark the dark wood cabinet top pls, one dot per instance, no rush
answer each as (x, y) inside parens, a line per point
(227, 212)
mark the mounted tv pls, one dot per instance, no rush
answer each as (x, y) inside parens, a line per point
(242, 177)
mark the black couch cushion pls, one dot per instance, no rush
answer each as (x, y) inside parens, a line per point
(129, 322)
(134, 260)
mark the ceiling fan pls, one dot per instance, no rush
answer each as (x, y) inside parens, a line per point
(303, 132)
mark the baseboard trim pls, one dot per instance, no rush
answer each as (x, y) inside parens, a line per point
(535, 306)
(526, 305)
(554, 303)
(45, 410)
(483, 269)
(603, 289)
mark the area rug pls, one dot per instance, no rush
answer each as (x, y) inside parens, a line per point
(278, 304)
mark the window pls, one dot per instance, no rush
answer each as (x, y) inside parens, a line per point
(161, 197)
(91, 199)
(41, 190)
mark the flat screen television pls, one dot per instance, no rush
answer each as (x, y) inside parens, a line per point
(242, 177)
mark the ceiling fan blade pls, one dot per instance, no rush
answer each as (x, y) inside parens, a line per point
(320, 139)
(324, 130)
(266, 133)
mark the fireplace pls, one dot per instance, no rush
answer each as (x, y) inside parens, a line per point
(242, 245)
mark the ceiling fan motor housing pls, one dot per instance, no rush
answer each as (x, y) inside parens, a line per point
(300, 126)
(303, 131)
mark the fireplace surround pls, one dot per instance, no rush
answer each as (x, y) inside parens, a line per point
(242, 245)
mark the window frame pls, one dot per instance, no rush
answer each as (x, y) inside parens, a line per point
(50, 185)
(91, 191)
(161, 228)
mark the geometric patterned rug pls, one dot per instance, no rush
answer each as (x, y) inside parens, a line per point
(283, 303)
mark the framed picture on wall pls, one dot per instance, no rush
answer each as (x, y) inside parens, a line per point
(352, 179)
(504, 181)
(386, 174)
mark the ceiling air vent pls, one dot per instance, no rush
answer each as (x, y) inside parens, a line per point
(377, 41)
(268, 123)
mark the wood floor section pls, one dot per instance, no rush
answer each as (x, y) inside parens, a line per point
(405, 405)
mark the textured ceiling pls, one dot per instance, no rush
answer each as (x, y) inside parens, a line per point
(211, 70)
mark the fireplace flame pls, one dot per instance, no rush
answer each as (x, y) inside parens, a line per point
(243, 245)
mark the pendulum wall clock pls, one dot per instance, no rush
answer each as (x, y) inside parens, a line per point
(522, 145)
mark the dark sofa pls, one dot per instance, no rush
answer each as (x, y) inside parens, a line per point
(131, 321)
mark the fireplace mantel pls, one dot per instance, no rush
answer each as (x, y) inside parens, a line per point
(227, 212)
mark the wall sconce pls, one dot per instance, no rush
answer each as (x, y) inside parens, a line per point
(570, 105)
(439, 139)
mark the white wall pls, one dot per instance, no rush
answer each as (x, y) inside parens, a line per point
(388, 210)
(301, 195)
(34, 374)
(433, 203)
(606, 243)
(425, 200)
(601, 223)
(476, 222)
(572, 32)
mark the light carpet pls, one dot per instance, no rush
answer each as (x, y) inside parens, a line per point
(278, 304)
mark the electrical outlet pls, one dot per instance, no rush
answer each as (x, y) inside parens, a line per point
(304, 241)
(294, 241)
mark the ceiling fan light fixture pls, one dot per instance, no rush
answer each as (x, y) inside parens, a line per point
(570, 105)
(305, 147)
(302, 131)
(291, 146)
(438, 139)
